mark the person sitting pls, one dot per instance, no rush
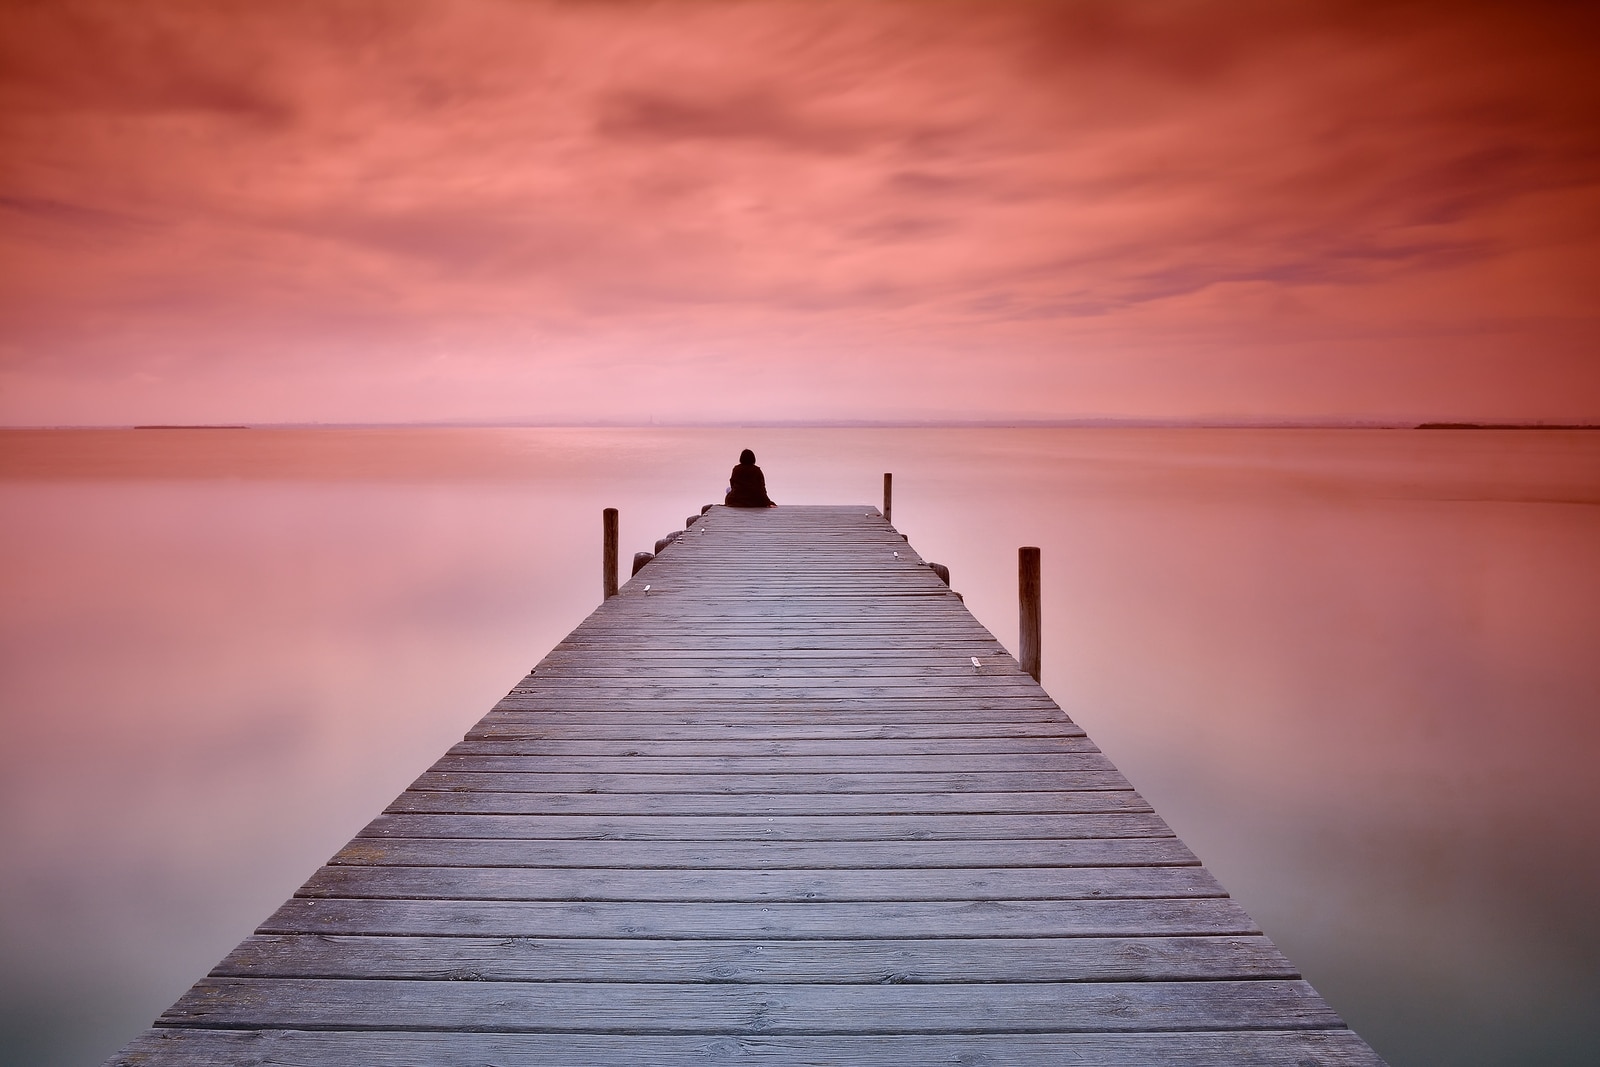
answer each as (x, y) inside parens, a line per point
(747, 486)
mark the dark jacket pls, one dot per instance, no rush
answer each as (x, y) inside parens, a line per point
(747, 487)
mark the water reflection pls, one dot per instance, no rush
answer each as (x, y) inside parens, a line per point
(1355, 671)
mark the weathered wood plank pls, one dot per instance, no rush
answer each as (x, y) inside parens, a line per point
(716, 921)
(857, 665)
(758, 884)
(926, 708)
(559, 1007)
(655, 727)
(738, 746)
(756, 718)
(678, 615)
(737, 784)
(886, 634)
(771, 657)
(774, 855)
(541, 959)
(1020, 763)
(486, 803)
(309, 1048)
(931, 695)
(566, 827)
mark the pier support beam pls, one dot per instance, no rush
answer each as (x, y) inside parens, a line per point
(608, 560)
(888, 498)
(1028, 613)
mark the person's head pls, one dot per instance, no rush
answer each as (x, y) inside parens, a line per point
(747, 456)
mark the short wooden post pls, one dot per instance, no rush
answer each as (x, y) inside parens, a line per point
(1028, 614)
(608, 561)
(888, 498)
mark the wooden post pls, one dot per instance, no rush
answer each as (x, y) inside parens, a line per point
(888, 498)
(608, 562)
(1028, 614)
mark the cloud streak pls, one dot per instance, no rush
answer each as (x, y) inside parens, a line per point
(374, 211)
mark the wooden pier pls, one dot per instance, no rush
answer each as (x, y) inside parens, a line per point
(761, 807)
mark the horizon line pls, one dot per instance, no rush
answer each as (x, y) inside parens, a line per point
(1094, 422)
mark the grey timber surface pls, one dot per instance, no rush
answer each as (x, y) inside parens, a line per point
(766, 812)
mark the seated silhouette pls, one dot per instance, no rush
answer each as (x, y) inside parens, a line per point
(747, 486)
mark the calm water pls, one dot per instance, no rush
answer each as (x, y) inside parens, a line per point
(1356, 670)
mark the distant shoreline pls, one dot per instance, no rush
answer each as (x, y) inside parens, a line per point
(1506, 426)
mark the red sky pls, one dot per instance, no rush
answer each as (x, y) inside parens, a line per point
(482, 209)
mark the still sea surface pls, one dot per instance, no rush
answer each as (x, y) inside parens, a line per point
(1358, 672)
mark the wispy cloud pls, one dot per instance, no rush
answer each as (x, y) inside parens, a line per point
(888, 208)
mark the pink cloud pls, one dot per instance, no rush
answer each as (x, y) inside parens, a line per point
(363, 211)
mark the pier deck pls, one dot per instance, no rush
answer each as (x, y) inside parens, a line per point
(767, 812)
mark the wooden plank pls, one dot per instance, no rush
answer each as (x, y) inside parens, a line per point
(771, 716)
(755, 747)
(876, 607)
(1031, 827)
(664, 728)
(718, 921)
(760, 884)
(729, 611)
(813, 680)
(1020, 763)
(311, 1048)
(774, 855)
(488, 803)
(737, 784)
(541, 959)
(560, 1007)
(588, 671)
(821, 636)
(755, 714)
(865, 662)
(750, 708)
(953, 649)
(763, 688)
(931, 708)
(892, 619)
(771, 657)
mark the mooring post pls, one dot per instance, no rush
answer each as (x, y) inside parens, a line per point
(888, 498)
(608, 561)
(1028, 614)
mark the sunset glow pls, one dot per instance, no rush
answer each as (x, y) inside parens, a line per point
(687, 211)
